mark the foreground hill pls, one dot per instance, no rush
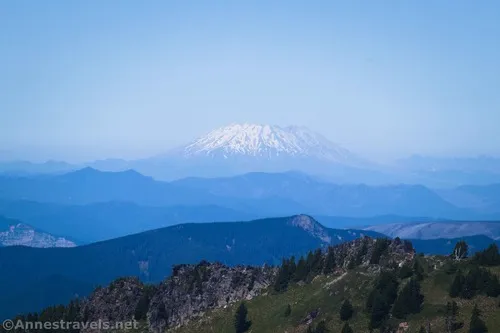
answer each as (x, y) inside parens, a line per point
(365, 285)
(151, 255)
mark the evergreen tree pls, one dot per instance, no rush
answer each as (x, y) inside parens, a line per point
(405, 271)
(456, 285)
(471, 283)
(241, 323)
(317, 263)
(492, 288)
(321, 328)
(329, 261)
(477, 325)
(162, 316)
(379, 311)
(346, 310)
(362, 252)
(451, 317)
(409, 300)
(301, 271)
(460, 251)
(346, 328)
(283, 277)
(418, 269)
(488, 257)
(381, 245)
(141, 310)
(288, 310)
(450, 267)
(292, 267)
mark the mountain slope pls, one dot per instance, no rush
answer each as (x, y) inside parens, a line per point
(106, 220)
(321, 300)
(389, 290)
(150, 255)
(14, 232)
(323, 198)
(88, 185)
(443, 229)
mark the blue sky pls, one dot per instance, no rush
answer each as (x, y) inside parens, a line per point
(93, 79)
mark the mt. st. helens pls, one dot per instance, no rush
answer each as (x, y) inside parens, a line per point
(242, 148)
(269, 142)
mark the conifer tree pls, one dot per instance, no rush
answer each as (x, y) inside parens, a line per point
(381, 245)
(317, 263)
(346, 310)
(456, 285)
(418, 269)
(488, 257)
(460, 251)
(292, 267)
(288, 310)
(379, 311)
(358, 260)
(477, 325)
(241, 323)
(301, 270)
(329, 261)
(283, 277)
(409, 300)
(321, 328)
(451, 317)
(162, 316)
(405, 271)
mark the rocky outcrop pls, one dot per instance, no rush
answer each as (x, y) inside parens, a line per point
(311, 226)
(361, 251)
(117, 302)
(194, 289)
(23, 234)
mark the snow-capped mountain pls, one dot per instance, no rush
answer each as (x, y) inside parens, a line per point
(242, 148)
(266, 141)
(23, 234)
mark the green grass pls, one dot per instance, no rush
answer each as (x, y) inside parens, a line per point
(327, 293)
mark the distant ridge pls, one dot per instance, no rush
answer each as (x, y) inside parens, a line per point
(150, 255)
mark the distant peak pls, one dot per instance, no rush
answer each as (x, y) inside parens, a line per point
(86, 170)
(89, 171)
(311, 226)
(267, 141)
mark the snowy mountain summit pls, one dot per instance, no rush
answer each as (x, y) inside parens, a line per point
(269, 142)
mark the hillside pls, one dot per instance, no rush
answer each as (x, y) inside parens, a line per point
(106, 220)
(439, 229)
(379, 285)
(150, 256)
(14, 232)
(321, 301)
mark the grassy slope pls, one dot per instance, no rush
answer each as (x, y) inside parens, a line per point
(327, 293)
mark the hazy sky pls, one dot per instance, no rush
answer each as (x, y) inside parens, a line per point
(93, 79)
